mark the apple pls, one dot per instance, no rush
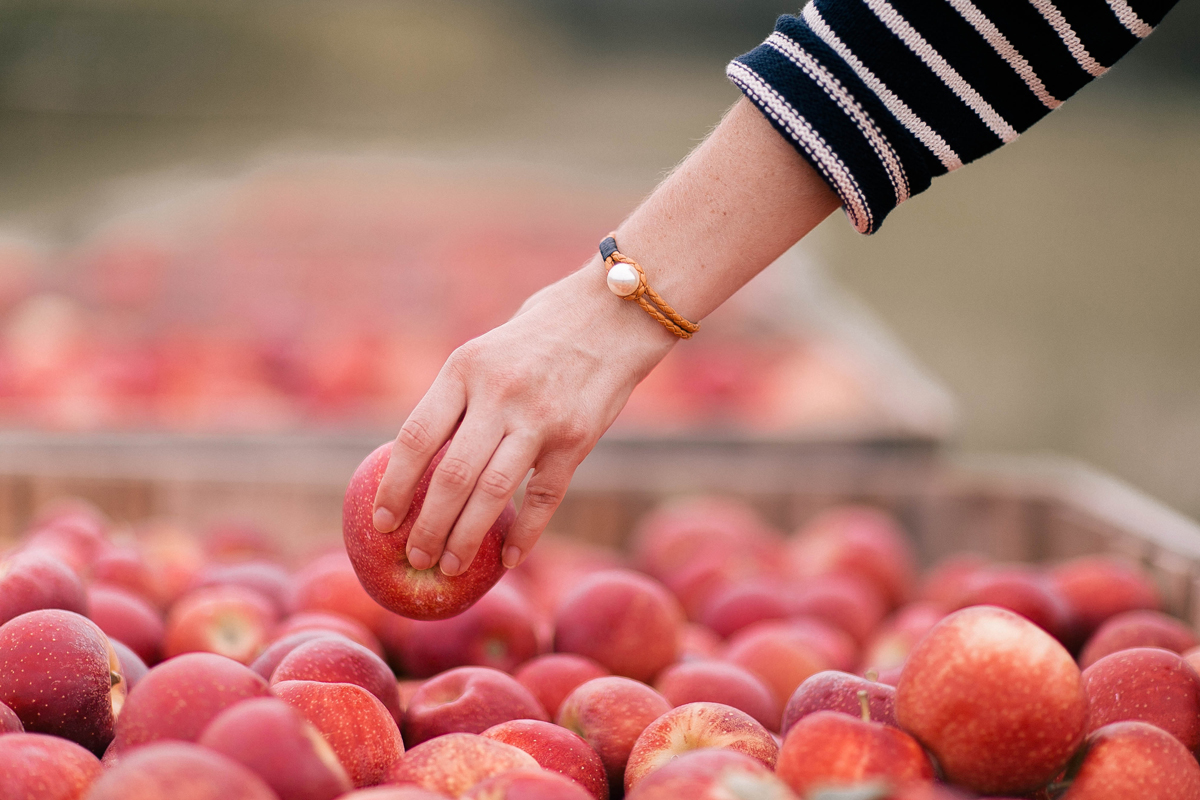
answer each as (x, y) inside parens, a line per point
(238, 541)
(553, 676)
(697, 581)
(328, 622)
(132, 666)
(1098, 587)
(555, 749)
(845, 601)
(453, 763)
(333, 659)
(838, 647)
(895, 638)
(670, 536)
(125, 616)
(944, 584)
(832, 749)
(712, 775)
(527, 785)
(280, 746)
(126, 568)
(698, 643)
(61, 677)
(623, 620)
(780, 656)
(1145, 684)
(610, 714)
(696, 726)
(270, 658)
(998, 701)
(839, 691)
(720, 682)
(179, 698)
(380, 562)
(856, 540)
(267, 578)
(75, 538)
(408, 792)
(1137, 629)
(467, 700)
(742, 603)
(357, 726)
(9, 721)
(1021, 589)
(231, 621)
(37, 766)
(1134, 760)
(164, 769)
(500, 631)
(328, 583)
(31, 580)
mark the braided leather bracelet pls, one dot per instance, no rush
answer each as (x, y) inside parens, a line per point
(627, 280)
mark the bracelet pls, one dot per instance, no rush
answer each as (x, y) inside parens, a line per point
(627, 280)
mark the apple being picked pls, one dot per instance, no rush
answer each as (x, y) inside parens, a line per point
(381, 564)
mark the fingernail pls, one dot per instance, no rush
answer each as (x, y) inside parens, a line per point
(512, 556)
(450, 564)
(384, 520)
(419, 559)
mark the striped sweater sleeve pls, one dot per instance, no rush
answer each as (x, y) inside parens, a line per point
(881, 96)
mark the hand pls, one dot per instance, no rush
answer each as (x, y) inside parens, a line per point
(536, 392)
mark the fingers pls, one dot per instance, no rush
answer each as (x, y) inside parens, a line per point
(424, 432)
(452, 483)
(542, 496)
(496, 484)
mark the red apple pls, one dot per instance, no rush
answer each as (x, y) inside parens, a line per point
(238, 541)
(943, 585)
(9, 721)
(1128, 760)
(625, 621)
(381, 564)
(712, 775)
(132, 666)
(696, 726)
(839, 691)
(1137, 629)
(837, 646)
(32, 580)
(610, 714)
(75, 538)
(333, 659)
(551, 677)
(126, 568)
(273, 656)
(844, 601)
(556, 749)
(467, 700)
(126, 616)
(893, 640)
(60, 676)
(227, 620)
(453, 763)
(698, 643)
(328, 583)
(742, 603)
(669, 537)
(697, 581)
(267, 578)
(781, 657)
(179, 697)
(527, 785)
(164, 770)
(409, 792)
(1098, 587)
(37, 766)
(356, 725)
(1145, 685)
(328, 622)
(1023, 590)
(997, 701)
(720, 682)
(856, 540)
(499, 631)
(831, 749)
(281, 747)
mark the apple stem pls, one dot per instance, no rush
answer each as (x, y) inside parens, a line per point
(872, 676)
(865, 704)
(114, 676)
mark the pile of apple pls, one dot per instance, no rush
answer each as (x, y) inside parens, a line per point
(716, 660)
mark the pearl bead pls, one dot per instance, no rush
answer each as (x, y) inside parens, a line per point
(623, 279)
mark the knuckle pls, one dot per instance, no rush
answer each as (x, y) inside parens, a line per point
(573, 434)
(414, 435)
(541, 497)
(496, 484)
(454, 473)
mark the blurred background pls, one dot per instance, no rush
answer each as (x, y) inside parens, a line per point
(281, 215)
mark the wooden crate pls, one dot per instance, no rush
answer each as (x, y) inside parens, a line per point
(1032, 508)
